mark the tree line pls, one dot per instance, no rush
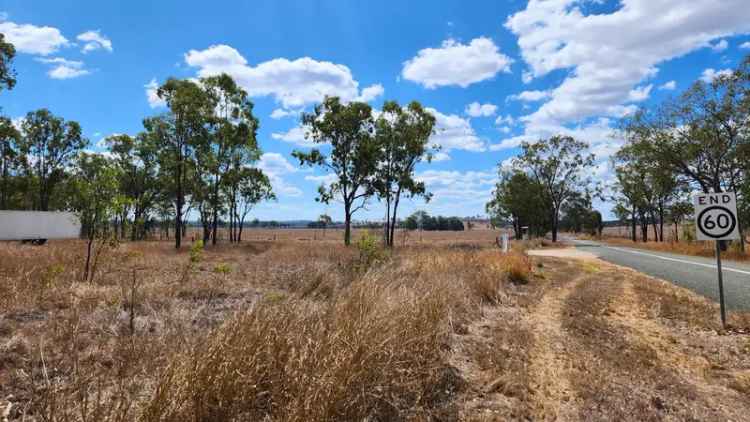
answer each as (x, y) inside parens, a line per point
(547, 189)
(697, 141)
(199, 158)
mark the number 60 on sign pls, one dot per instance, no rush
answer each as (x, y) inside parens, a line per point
(716, 216)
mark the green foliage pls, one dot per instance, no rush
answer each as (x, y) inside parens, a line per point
(196, 251)
(349, 129)
(223, 268)
(7, 53)
(402, 135)
(49, 145)
(559, 164)
(370, 251)
(422, 220)
(521, 201)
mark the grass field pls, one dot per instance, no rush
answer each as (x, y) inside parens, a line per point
(303, 329)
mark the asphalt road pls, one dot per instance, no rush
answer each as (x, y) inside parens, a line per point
(695, 273)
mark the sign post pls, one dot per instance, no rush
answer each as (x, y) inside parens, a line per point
(716, 219)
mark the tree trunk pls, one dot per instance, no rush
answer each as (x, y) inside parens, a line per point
(347, 224)
(178, 209)
(88, 258)
(555, 221)
(393, 218)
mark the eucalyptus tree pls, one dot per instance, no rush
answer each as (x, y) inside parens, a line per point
(559, 164)
(521, 201)
(9, 161)
(180, 132)
(402, 135)
(137, 161)
(246, 187)
(94, 195)
(349, 131)
(49, 144)
(233, 135)
(7, 54)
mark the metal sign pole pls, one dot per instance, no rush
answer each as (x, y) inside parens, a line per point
(721, 286)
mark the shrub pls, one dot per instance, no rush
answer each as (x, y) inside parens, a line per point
(223, 268)
(196, 251)
(370, 252)
(517, 268)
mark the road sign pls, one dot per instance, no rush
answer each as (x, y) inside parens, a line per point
(716, 219)
(716, 216)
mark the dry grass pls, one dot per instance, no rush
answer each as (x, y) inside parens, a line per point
(273, 330)
(282, 331)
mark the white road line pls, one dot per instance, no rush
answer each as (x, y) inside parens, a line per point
(677, 260)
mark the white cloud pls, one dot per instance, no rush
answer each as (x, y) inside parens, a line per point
(292, 83)
(440, 156)
(458, 64)
(31, 39)
(607, 54)
(452, 185)
(480, 110)
(745, 45)
(370, 93)
(280, 113)
(454, 132)
(275, 166)
(325, 180)
(295, 135)
(505, 120)
(527, 77)
(529, 96)
(720, 46)
(710, 74)
(64, 68)
(94, 40)
(640, 93)
(668, 86)
(151, 95)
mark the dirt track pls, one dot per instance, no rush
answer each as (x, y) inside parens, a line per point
(593, 341)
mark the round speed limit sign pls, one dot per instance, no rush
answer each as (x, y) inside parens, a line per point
(716, 222)
(716, 216)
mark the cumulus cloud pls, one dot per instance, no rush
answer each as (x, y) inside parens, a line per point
(480, 110)
(94, 40)
(720, 46)
(640, 93)
(608, 54)
(668, 86)
(452, 132)
(295, 135)
(276, 166)
(280, 113)
(292, 83)
(745, 45)
(457, 64)
(64, 68)
(529, 96)
(32, 39)
(452, 185)
(710, 74)
(151, 95)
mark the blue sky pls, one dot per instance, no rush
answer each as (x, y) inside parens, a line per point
(495, 73)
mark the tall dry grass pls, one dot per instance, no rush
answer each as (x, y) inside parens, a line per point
(283, 332)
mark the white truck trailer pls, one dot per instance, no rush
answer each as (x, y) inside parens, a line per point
(38, 226)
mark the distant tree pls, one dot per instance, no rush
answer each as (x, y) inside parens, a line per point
(349, 130)
(7, 74)
(94, 196)
(520, 201)
(559, 164)
(137, 162)
(402, 135)
(9, 160)
(253, 188)
(49, 144)
(180, 132)
(678, 213)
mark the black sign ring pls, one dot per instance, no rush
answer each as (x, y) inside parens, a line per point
(716, 207)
